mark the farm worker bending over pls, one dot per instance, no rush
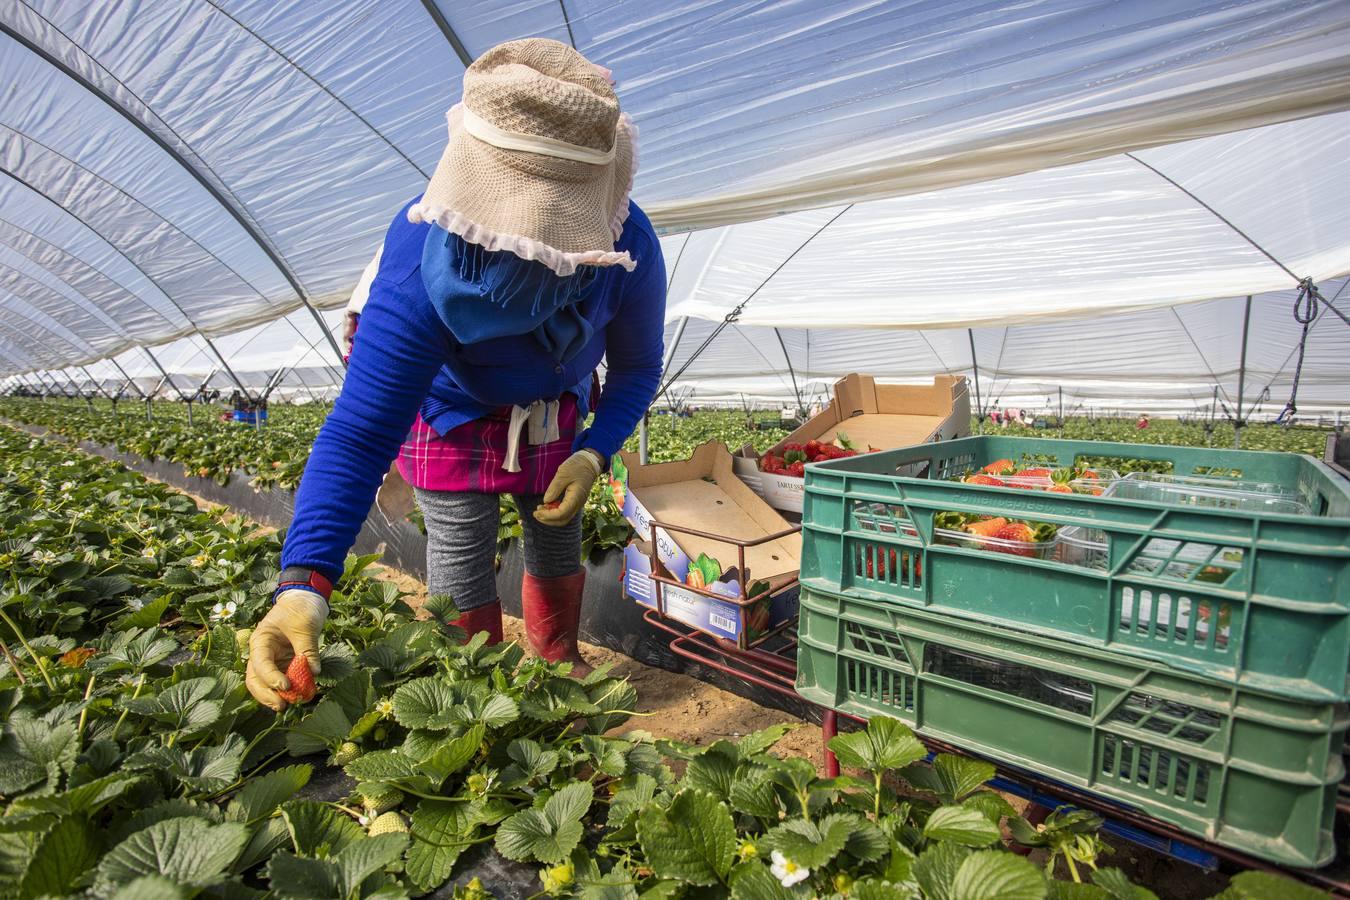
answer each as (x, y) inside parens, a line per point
(497, 293)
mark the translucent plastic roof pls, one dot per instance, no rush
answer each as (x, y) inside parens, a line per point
(177, 168)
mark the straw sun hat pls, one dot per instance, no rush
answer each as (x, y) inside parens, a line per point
(540, 160)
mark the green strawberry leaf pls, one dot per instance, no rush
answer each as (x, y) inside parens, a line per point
(530, 835)
(62, 857)
(811, 844)
(935, 870)
(694, 841)
(425, 703)
(187, 851)
(317, 829)
(885, 744)
(441, 832)
(961, 825)
(995, 875)
(261, 796)
(1118, 886)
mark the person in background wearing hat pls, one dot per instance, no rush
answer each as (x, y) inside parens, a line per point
(495, 296)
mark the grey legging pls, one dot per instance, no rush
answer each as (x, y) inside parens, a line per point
(462, 544)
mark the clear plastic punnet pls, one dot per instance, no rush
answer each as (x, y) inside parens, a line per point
(1209, 492)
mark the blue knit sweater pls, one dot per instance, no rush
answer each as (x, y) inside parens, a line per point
(405, 360)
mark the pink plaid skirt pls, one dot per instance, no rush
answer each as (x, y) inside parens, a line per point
(469, 458)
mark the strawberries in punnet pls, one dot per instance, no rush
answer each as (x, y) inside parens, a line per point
(301, 678)
(1000, 467)
(1034, 473)
(1016, 531)
(987, 480)
(987, 527)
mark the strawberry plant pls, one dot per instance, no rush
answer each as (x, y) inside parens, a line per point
(133, 762)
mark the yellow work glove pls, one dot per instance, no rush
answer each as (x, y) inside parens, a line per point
(291, 628)
(568, 490)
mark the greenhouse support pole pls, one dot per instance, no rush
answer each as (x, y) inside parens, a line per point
(167, 378)
(219, 192)
(643, 436)
(449, 33)
(674, 344)
(98, 387)
(49, 390)
(79, 391)
(801, 410)
(131, 381)
(226, 366)
(644, 432)
(1242, 374)
(56, 384)
(41, 388)
(975, 367)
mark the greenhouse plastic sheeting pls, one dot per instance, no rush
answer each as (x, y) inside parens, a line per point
(172, 167)
(1110, 235)
(1158, 360)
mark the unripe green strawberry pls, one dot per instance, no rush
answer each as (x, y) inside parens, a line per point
(349, 751)
(388, 823)
(380, 801)
(241, 639)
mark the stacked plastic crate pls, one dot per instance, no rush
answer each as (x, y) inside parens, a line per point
(1177, 640)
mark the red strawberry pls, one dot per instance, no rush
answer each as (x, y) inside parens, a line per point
(1000, 467)
(1016, 531)
(986, 527)
(1060, 489)
(1035, 473)
(554, 505)
(987, 480)
(796, 470)
(301, 678)
(788, 448)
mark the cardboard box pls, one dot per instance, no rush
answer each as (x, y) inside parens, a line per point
(703, 493)
(731, 555)
(720, 618)
(884, 416)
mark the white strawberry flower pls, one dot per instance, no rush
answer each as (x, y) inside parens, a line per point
(786, 871)
(199, 560)
(364, 820)
(43, 557)
(136, 603)
(148, 552)
(224, 611)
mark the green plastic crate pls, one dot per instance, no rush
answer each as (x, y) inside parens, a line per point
(1249, 771)
(1257, 600)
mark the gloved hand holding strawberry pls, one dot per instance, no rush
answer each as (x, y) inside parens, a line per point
(288, 635)
(570, 487)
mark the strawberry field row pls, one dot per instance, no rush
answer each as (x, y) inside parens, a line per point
(134, 764)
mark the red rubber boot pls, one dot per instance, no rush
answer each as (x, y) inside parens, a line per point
(552, 610)
(483, 618)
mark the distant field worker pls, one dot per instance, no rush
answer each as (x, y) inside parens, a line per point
(495, 296)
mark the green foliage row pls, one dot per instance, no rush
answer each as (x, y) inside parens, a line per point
(134, 764)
